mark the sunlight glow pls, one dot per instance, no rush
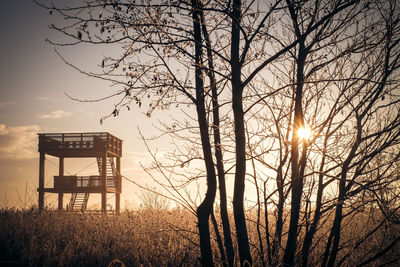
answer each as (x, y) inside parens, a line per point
(304, 133)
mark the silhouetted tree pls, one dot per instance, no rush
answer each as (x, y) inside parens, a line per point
(256, 73)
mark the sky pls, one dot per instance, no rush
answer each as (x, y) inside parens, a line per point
(33, 84)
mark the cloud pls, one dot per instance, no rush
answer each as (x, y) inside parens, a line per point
(42, 98)
(18, 142)
(46, 98)
(3, 105)
(132, 160)
(56, 114)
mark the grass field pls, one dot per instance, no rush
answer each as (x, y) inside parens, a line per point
(137, 238)
(150, 237)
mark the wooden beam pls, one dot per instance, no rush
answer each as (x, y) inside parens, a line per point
(117, 202)
(119, 177)
(41, 180)
(104, 183)
(118, 185)
(92, 189)
(61, 173)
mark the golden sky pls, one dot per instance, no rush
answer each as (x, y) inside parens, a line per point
(33, 83)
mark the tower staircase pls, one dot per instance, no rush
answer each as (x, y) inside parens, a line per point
(79, 200)
(110, 171)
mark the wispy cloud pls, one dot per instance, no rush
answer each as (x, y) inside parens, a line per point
(132, 161)
(5, 104)
(46, 98)
(56, 114)
(42, 98)
(18, 142)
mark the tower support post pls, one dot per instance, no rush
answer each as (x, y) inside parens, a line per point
(118, 185)
(61, 173)
(117, 202)
(41, 180)
(104, 183)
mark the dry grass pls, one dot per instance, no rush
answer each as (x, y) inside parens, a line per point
(30, 238)
(151, 238)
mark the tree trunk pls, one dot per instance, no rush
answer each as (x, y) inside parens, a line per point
(297, 165)
(240, 140)
(219, 239)
(279, 217)
(280, 183)
(337, 222)
(205, 208)
(317, 214)
(218, 149)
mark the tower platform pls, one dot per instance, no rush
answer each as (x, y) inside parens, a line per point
(105, 147)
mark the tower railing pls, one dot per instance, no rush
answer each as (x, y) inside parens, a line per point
(70, 182)
(72, 141)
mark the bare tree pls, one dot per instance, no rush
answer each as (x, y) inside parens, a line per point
(256, 74)
(153, 200)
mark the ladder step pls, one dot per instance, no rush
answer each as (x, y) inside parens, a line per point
(79, 201)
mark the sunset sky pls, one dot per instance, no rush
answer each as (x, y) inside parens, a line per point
(33, 82)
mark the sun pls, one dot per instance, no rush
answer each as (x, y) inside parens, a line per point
(304, 133)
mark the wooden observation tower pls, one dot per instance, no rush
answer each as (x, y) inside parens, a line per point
(106, 148)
